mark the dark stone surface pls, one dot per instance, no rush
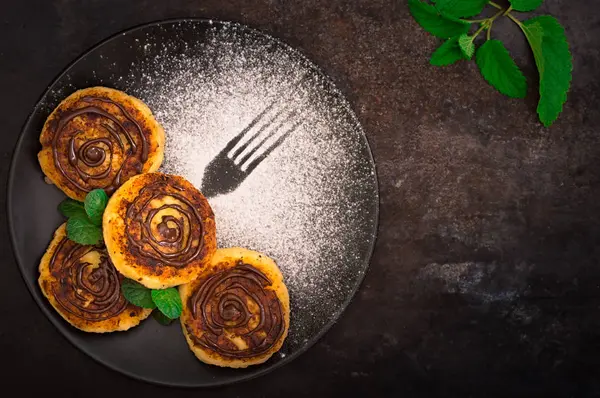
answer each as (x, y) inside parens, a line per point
(486, 274)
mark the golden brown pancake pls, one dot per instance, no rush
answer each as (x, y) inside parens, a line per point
(99, 137)
(159, 230)
(85, 288)
(237, 313)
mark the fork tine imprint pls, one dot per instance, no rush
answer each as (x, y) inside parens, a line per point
(262, 128)
(253, 164)
(273, 131)
(244, 152)
(235, 140)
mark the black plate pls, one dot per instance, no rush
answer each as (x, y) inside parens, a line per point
(145, 60)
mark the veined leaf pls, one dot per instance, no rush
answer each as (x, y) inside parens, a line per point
(460, 8)
(554, 63)
(499, 69)
(448, 53)
(525, 5)
(434, 22)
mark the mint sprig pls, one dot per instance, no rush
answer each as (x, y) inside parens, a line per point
(499, 69)
(436, 23)
(467, 47)
(525, 5)
(83, 231)
(460, 8)
(166, 301)
(85, 219)
(448, 53)
(71, 208)
(545, 35)
(95, 203)
(550, 49)
(137, 294)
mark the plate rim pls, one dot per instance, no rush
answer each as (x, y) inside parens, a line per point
(54, 318)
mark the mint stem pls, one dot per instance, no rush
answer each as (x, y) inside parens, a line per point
(478, 31)
(495, 5)
(474, 20)
(515, 20)
(496, 15)
(490, 21)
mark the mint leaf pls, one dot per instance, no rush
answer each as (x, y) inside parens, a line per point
(81, 230)
(460, 8)
(137, 294)
(71, 208)
(161, 318)
(554, 64)
(435, 23)
(95, 202)
(465, 42)
(168, 302)
(525, 5)
(499, 69)
(535, 35)
(448, 53)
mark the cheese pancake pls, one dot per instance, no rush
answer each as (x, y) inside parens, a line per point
(99, 137)
(237, 313)
(159, 230)
(84, 287)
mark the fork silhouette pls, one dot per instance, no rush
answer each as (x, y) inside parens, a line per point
(231, 167)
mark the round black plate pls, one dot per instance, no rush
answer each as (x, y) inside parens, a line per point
(328, 151)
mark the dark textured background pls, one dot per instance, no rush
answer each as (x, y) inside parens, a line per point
(486, 275)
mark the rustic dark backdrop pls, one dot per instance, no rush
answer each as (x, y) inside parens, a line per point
(486, 275)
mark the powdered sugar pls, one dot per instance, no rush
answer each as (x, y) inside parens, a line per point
(310, 204)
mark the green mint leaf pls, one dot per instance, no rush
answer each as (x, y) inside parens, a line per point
(435, 23)
(525, 5)
(81, 230)
(554, 63)
(499, 69)
(71, 208)
(465, 42)
(460, 8)
(137, 294)
(161, 318)
(535, 35)
(448, 53)
(95, 202)
(168, 302)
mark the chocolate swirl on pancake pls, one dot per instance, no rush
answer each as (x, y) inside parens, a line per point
(98, 145)
(164, 226)
(88, 285)
(235, 303)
